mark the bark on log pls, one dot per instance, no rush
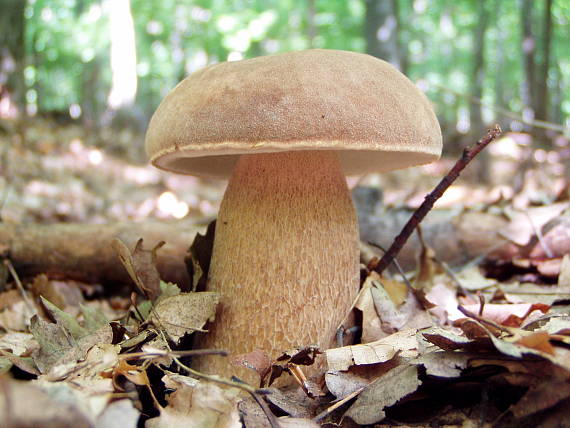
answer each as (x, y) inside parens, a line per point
(83, 252)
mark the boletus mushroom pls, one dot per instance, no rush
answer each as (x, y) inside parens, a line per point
(287, 129)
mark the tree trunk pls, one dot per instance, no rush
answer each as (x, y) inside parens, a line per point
(501, 98)
(528, 48)
(478, 70)
(542, 95)
(381, 31)
(12, 55)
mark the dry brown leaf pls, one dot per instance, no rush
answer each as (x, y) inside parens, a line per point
(19, 344)
(539, 340)
(185, 313)
(410, 314)
(507, 314)
(383, 392)
(211, 406)
(25, 404)
(380, 351)
(66, 295)
(371, 323)
(524, 224)
(542, 396)
(199, 256)
(564, 277)
(141, 266)
(134, 374)
(447, 364)
(257, 360)
(119, 414)
(16, 317)
(341, 384)
(555, 241)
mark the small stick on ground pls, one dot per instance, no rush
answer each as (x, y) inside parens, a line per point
(468, 154)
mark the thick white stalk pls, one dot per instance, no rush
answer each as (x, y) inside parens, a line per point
(286, 257)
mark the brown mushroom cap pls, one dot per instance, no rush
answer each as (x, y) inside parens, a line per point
(349, 102)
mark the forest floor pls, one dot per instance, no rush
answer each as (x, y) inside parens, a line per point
(477, 333)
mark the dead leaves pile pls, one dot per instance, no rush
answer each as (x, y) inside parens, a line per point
(91, 366)
(438, 346)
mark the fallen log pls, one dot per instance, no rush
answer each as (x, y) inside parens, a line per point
(83, 252)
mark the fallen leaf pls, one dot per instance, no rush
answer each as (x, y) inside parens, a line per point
(384, 392)
(446, 364)
(185, 313)
(564, 276)
(65, 341)
(119, 414)
(199, 256)
(524, 224)
(542, 396)
(141, 266)
(210, 407)
(539, 340)
(25, 404)
(403, 343)
(257, 360)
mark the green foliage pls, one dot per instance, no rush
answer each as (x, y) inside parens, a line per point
(68, 44)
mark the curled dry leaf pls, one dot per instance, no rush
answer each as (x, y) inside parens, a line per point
(403, 343)
(199, 256)
(511, 315)
(387, 308)
(141, 266)
(257, 360)
(185, 313)
(524, 224)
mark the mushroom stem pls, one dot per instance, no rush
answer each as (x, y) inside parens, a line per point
(285, 257)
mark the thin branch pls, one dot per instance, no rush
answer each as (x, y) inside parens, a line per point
(335, 406)
(20, 286)
(482, 320)
(468, 154)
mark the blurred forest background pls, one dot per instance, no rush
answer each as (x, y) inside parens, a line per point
(97, 69)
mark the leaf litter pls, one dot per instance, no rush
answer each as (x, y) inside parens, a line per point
(484, 343)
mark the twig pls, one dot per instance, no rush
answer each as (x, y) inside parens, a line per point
(396, 264)
(482, 320)
(161, 353)
(14, 274)
(468, 154)
(538, 234)
(336, 405)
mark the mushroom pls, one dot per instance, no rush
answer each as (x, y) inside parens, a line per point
(287, 129)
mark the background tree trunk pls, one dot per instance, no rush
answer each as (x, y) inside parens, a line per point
(528, 48)
(12, 53)
(478, 69)
(542, 95)
(381, 31)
